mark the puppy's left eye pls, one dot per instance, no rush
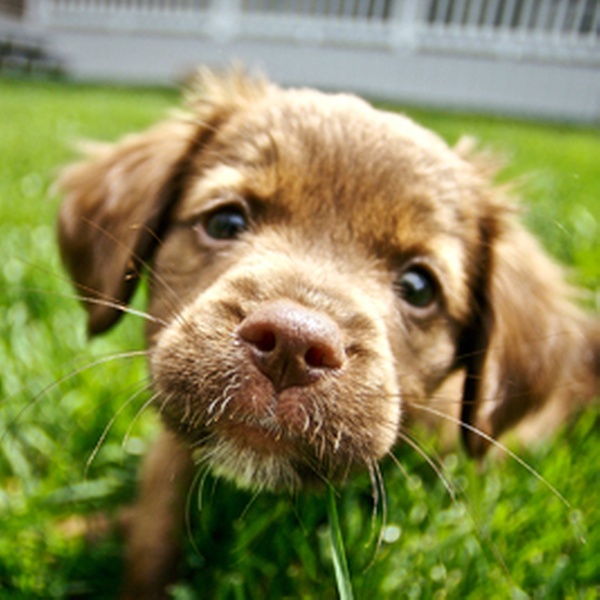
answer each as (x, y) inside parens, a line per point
(417, 287)
(226, 223)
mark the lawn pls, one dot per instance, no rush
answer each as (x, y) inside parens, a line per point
(73, 426)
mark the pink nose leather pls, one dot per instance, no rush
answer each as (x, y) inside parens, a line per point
(292, 345)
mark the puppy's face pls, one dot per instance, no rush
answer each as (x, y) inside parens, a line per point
(312, 283)
(321, 267)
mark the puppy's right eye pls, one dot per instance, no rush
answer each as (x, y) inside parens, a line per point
(226, 223)
(417, 287)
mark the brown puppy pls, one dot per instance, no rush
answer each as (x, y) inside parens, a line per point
(317, 268)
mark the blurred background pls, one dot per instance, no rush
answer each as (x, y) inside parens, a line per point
(533, 58)
(521, 76)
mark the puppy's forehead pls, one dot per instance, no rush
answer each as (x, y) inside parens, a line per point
(333, 162)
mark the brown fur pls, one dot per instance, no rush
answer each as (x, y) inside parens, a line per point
(341, 200)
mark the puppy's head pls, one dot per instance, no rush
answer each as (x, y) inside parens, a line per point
(317, 267)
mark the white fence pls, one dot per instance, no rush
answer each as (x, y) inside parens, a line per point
(339, 40)
(541, 29)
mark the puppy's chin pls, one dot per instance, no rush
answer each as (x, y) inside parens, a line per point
(254, 453)
(248, 465)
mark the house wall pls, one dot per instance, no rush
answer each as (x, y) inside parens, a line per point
(537, 58)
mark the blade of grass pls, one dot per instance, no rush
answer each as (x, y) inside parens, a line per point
(340, 564)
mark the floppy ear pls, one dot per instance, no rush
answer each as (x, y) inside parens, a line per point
(117, 201)
(528, 344)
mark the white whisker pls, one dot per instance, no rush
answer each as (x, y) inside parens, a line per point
(453, 491)
(379, 498)
(501, 447)
(55, 384)
(107, 429)
(437, 469)
(138, 414)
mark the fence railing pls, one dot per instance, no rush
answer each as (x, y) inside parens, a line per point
(564, 30)
(568, 30)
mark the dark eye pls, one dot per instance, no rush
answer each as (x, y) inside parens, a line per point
(226, 223)
(417, 287)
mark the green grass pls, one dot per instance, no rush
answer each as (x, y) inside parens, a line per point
(505, 535)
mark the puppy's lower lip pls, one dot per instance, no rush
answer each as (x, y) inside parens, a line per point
(256, 436)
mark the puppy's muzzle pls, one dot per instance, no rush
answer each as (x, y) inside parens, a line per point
(291, 345)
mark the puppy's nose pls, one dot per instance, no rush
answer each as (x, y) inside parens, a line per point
(292, 345)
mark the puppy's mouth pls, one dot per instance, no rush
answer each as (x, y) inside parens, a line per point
(264, 439)
(266, 421)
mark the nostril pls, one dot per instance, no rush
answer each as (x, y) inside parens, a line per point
(260, 336)
(323, 357)
(266, 342)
